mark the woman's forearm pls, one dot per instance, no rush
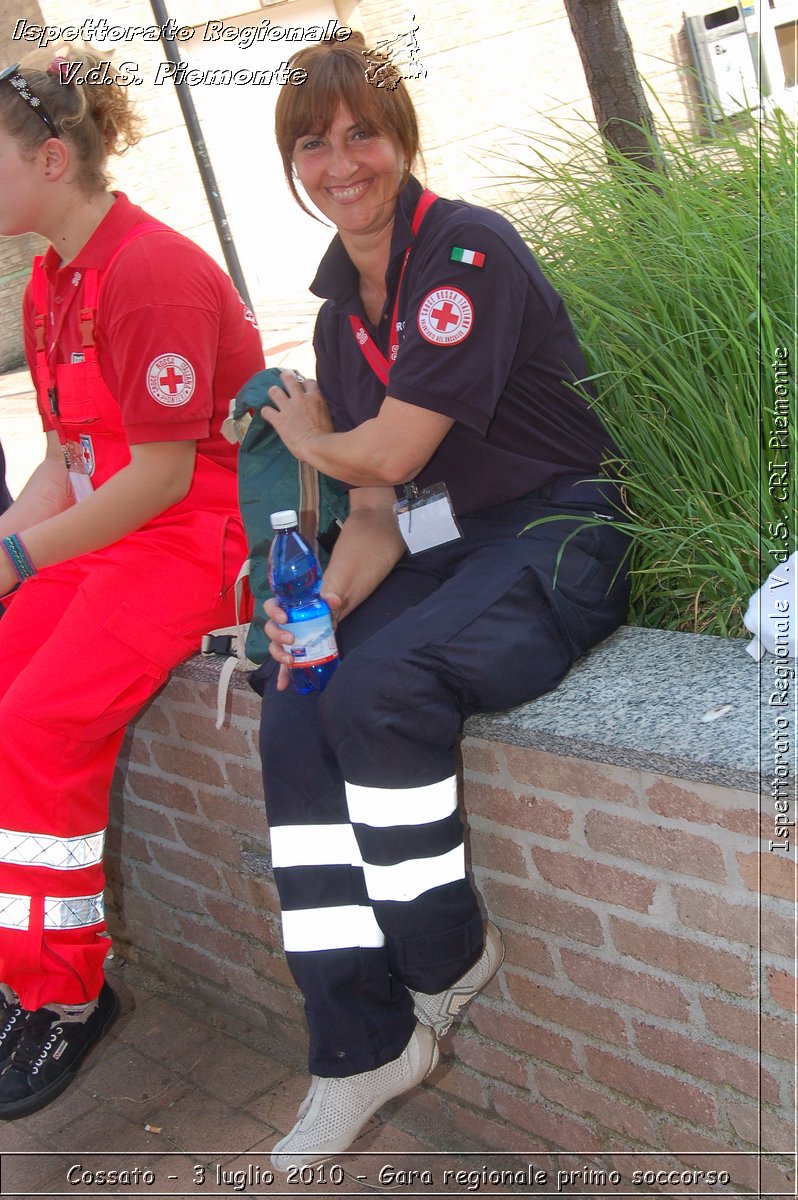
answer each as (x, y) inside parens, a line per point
(388, 449)
(360, 456)
(367, 550)
(158, 476)
(44, 495)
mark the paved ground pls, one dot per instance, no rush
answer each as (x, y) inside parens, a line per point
(197, 1101)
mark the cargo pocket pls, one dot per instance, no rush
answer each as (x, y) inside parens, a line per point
(132, 655)
(587, 590)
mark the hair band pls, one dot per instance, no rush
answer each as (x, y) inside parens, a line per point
(12, 76)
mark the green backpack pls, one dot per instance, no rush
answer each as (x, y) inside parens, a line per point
(270, 479)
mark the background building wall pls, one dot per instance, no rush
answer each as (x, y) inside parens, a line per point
(503, 76)
(15, 253)
(15, 260)
(497, 77)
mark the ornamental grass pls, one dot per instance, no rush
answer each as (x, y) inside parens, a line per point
(681, 287)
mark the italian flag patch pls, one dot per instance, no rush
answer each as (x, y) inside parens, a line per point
(475, 258)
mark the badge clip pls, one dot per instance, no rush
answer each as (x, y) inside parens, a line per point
(411, 493)
(426, 519)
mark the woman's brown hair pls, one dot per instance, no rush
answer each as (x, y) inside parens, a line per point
(366, 83)
(95, 119)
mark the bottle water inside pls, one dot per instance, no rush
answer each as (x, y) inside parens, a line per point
(295, 579)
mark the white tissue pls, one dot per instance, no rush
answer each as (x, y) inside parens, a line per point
(772, 615)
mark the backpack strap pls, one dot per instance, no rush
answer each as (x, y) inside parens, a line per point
(271, 478)
(230, 641)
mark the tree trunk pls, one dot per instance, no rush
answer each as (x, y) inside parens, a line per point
(616, 91)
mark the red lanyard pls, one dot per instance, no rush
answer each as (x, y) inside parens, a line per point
(44, 322)
(373, 355)
(44, 319)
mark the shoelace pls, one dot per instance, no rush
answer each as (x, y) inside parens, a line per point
(13, 1013)
(31, 1053)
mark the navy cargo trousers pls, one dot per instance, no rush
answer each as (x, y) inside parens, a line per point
(360, 781)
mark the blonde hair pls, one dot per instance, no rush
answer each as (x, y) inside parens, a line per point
(337, 74)
(95, 119)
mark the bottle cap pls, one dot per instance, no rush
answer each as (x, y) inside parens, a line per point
(285, 519)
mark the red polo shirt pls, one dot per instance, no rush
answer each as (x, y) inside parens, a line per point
(174, 339)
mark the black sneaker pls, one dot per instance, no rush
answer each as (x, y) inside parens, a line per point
(53, 1043)
(12, 1020)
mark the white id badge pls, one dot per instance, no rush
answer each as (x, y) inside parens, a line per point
(77, 459)
(426, 519)
(80, 484)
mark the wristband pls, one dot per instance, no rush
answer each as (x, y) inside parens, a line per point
(18, 556)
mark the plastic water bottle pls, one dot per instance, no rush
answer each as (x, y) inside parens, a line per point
(295, 579)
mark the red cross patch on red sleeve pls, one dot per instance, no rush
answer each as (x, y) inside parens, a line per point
(171, 380)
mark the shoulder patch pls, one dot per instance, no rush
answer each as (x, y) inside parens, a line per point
(445, 316)
(474, 258)
(171, 380)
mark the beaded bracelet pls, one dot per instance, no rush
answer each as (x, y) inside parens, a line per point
(18, 557)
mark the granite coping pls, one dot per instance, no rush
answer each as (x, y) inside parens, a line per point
(686, 705)
(681, 704)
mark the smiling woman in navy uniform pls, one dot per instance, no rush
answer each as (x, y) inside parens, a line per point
(446, 368)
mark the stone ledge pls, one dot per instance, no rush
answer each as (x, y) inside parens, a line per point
(638, 700)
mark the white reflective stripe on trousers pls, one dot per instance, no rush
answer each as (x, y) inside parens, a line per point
(14, 911)
(384, 807)
(314, 846)
(70, 912)
(73, 912)
(407, 880)
(335, 928)
(41, 850)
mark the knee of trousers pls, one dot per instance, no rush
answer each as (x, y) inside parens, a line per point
(390, 723)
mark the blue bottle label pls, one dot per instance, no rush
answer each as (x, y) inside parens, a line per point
(314, 641)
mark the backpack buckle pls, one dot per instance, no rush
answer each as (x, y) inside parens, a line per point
(215, 643)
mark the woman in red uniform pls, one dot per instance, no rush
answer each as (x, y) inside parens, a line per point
(124, 542)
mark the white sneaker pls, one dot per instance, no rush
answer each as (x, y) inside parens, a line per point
(439, 1009)
(335, 1110)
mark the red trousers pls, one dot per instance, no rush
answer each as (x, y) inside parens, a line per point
(83, 646)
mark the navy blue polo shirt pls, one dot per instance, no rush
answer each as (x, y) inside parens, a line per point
(486, 341)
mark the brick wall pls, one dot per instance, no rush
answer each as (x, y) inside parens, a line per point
(647, 1001)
